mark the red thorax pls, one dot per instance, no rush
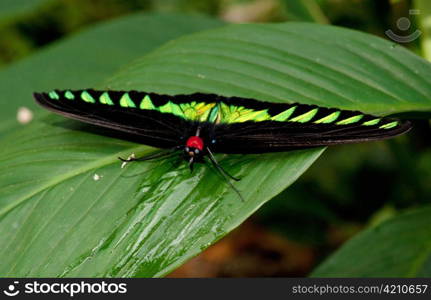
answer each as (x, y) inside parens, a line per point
(195, 142)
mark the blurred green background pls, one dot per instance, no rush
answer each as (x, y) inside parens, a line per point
(350, 188)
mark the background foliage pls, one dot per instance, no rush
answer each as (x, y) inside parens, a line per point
(374, 196)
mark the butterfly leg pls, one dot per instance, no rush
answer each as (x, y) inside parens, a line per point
(225, 174)
(215, 163)
(191, 162)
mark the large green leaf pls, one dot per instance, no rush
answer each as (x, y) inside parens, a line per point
(85, 59)
(293, 62)
(57, 220)
(60, 219)
(399, 247)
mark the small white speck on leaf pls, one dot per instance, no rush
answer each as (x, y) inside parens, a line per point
(97, 177)
(24, 115)
(145, 189)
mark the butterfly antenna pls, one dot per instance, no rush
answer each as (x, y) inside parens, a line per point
(225, 175)
(148, 157)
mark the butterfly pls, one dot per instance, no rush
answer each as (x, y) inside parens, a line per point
(198, 125)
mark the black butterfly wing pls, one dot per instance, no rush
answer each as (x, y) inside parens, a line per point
(116, 110)
(337, 127)
(229, 124)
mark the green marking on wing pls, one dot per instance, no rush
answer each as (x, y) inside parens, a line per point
(389, 125)
(372, 122)
(350, 120)
(194, 111)
(225, 113)
(125, 101)
(329, 118)
(261, 116)
(167, 108)
(176, 110)
(214, 114)
(171, 108)
(87, 97)
(305, 117)
(69, 95)
(203, 110)
(105, 99)
(53, 95)
(188, 110)
(237, 114)
(146, 103)
(284, 115)
(253, 115)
